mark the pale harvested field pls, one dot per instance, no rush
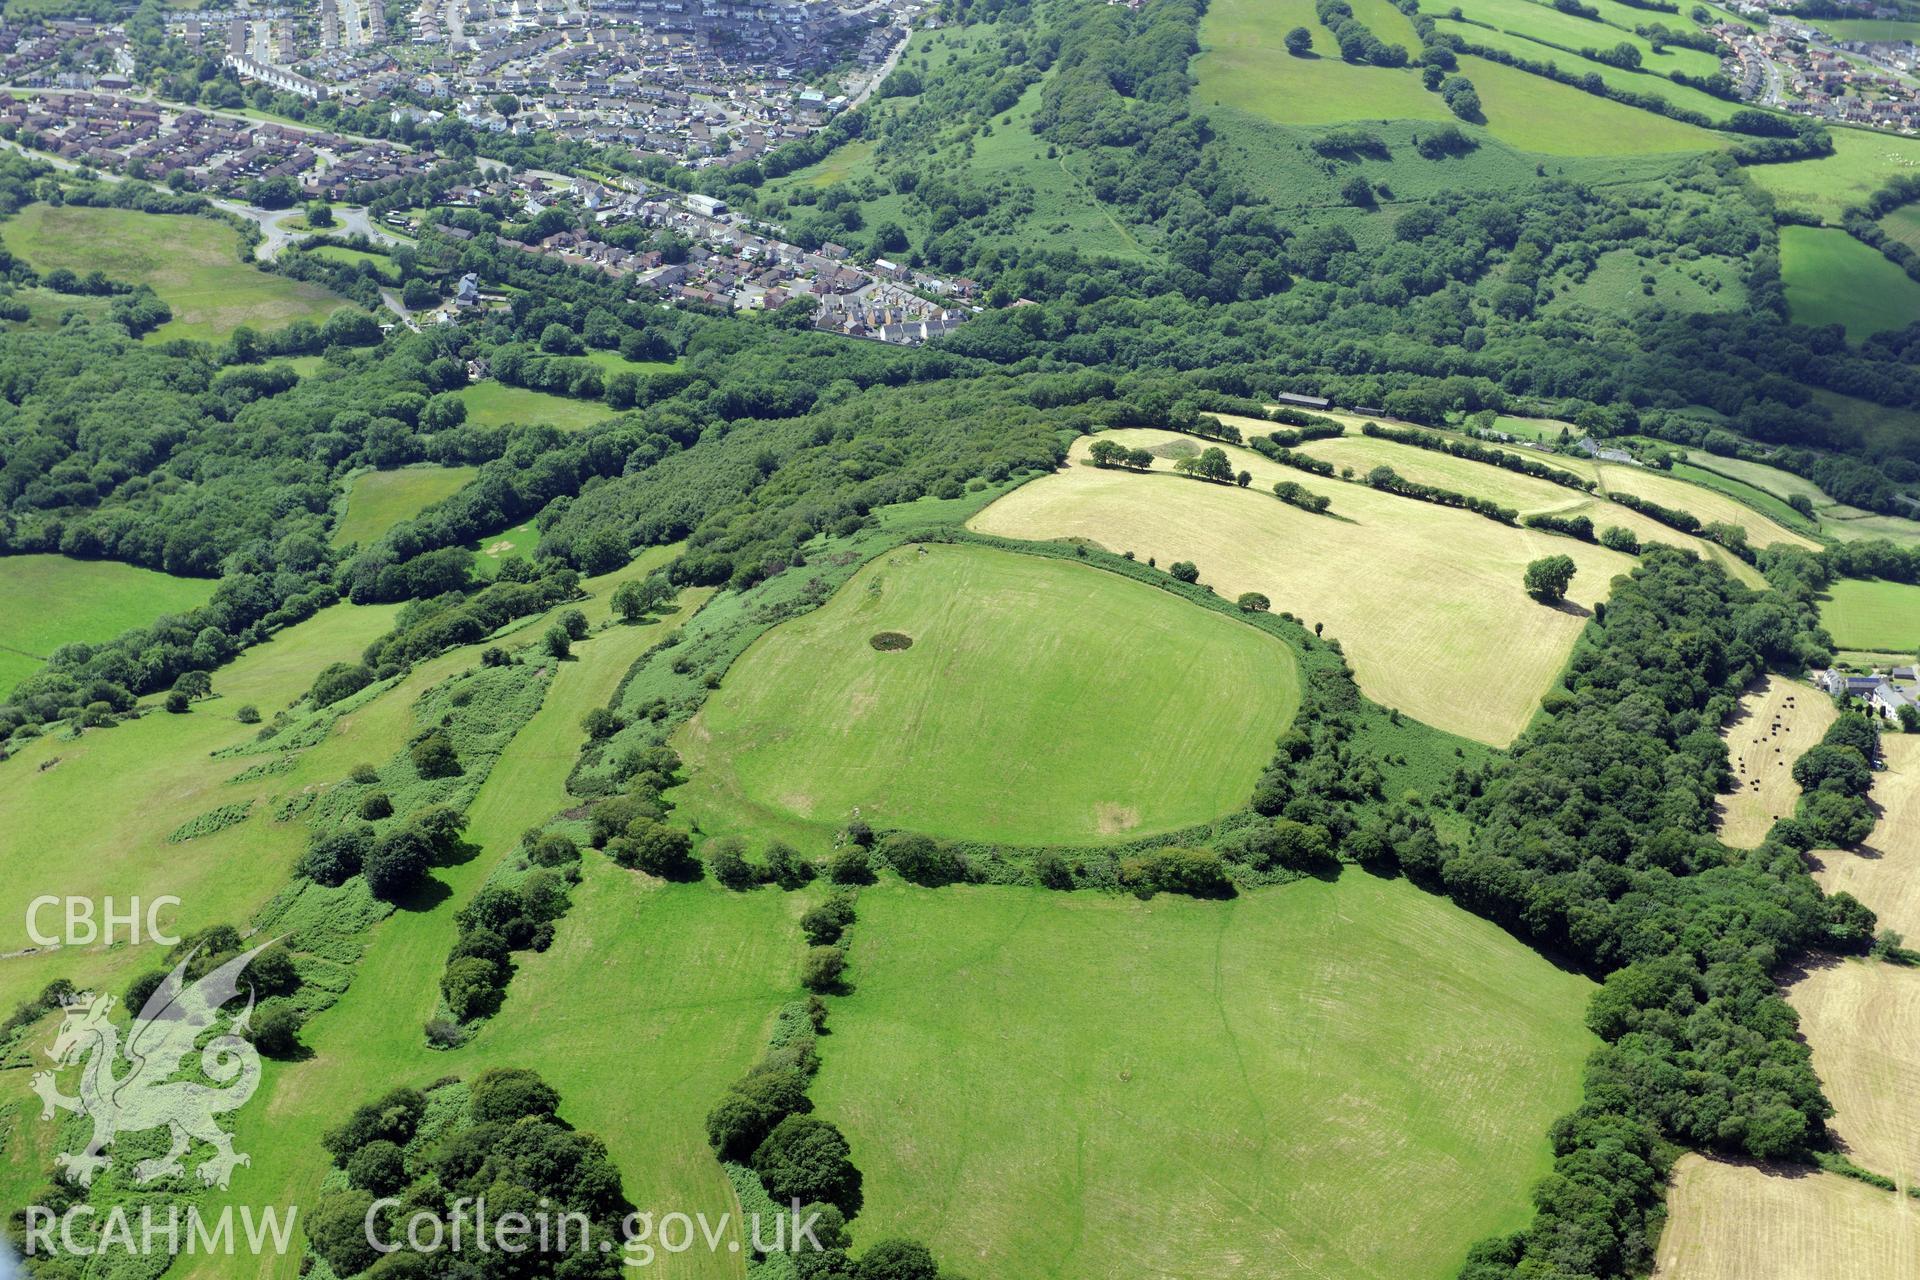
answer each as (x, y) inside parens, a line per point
(1425, 600)
(1524, 493)
(1862, 1019)
(1709, 505)
(1777, 721)
(1884, 873)
(1736, 1222)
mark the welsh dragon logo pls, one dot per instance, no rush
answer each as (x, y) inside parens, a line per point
(148, 1095)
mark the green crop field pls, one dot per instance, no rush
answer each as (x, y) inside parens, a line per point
(378, 500)
(1831, 278)
(1011, 717)
(1873, 615)
(1332, 1079)
(495, 404)
(79, 601)
(191, 263)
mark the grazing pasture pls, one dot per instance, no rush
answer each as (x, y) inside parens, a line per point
(1831, 278)
(1747, 495)
(1426, 600)
(1903, 224)
(518, 541)
(79, 601)
(1038, 702)
(1730, 1221)
(100, 808)
(1623, 281)
(1773, 480)
(1863, 614)
(1536, 114)
(1778, 720)
(495, 404)
(1861, 163)
(373, 1033)
(1885, 872)
(1711, 506)
(192, 263)
(1349, 1078)
(1862, 1019)
(379, 500)
(1526, 494)
(1244, 66)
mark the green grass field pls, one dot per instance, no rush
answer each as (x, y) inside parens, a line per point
(517, 541)
(1903, 224)
(79, 601)
(1243, 66)
(190, 262)
(1534, 113)
(373, 1034)
(1747, 494)
(1425, 599)
(382, 264)
(1345, 1079)
(379, 500)
(1041, 702)
(1621, 281)
(612, 362)
(1873, 615)
(1557, 37)
(1640, 82)
(109, 800)
(1831, 278)
(1781, 484)
(495, 404)
(1869, 29)
(1861, 164)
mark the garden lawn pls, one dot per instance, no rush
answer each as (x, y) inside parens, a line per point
(1041, 702)
(1347, 1079)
